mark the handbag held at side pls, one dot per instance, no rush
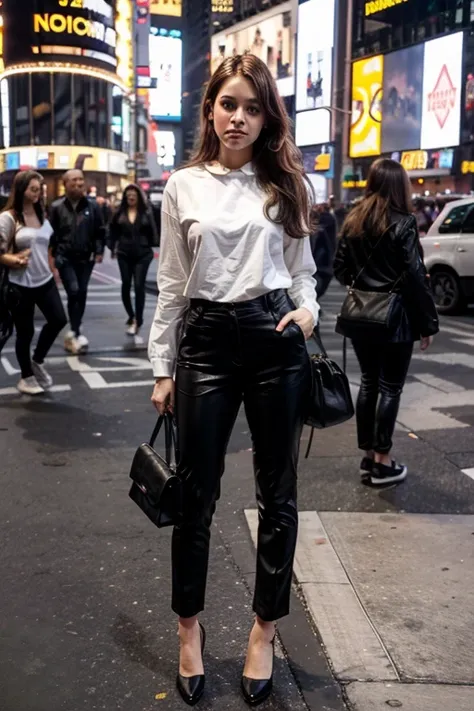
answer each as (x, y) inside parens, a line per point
(156, 488)
(370, 314)
(331, 400)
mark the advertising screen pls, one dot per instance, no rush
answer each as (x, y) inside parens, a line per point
(172, 8)
(271, 40)
(312, 127)
(79, 32)
(442, 89)
(365, 133)
(402, 99)
(314, 50)
(166, 68)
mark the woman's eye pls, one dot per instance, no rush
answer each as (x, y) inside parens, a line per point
(254, 111)
(227, 105)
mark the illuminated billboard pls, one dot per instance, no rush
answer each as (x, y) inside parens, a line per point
(270, 39)
(166, 68)
(79, 32)
(315, 55)
(172, 8)
(442, 89)
(365, 133)
(402, 99)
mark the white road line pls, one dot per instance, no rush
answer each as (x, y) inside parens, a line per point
(9, 368)
(469, 472)
(354, 647)
(446, 386)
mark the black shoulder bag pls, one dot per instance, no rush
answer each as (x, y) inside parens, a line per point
(331, 400)
(156, 488)
(8, 295)
(370, 314)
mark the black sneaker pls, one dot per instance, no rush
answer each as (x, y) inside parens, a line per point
(366, 466)
(382, 474)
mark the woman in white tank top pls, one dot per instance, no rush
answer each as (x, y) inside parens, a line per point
(24, 242)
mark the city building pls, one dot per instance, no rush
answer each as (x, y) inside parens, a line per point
(66, 75)
(413, 92)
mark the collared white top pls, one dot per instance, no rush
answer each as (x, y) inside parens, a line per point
(217, 244)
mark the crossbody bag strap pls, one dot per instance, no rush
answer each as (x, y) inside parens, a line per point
(156, 431)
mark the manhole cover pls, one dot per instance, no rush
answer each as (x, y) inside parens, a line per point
(54, 462)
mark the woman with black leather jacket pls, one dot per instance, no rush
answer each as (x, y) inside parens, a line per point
(380, 251)
(132, 236)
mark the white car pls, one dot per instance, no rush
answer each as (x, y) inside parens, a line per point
(449, 255)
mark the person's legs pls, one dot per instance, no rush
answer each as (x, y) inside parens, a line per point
(396, 359)
(68, 275)
(370, 362)
(83, 273)
(208, 397)
(23, 317)
(126, 272)
(139, 277)
(49, 302)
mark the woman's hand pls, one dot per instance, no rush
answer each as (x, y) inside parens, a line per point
(19, 260)
(425, 342)
(163, 395)
(302, 317)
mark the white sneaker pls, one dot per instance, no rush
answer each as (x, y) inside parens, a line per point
(71, 344)
(82, 342)
(42, 376)
(30, 386)
(132, 329)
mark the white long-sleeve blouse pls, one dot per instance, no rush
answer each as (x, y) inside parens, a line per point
(217, 244)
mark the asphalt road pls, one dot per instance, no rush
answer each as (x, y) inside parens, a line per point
(84, 612)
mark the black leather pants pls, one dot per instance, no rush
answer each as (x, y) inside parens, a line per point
(229, 354)
(384, 370)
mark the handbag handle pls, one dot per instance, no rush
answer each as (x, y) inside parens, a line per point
(170, 436)
(316, 336)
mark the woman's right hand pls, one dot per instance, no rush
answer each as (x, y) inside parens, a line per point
(163, 395)
(425, 342)
(20, 259)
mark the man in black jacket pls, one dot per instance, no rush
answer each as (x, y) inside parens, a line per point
(76, 245)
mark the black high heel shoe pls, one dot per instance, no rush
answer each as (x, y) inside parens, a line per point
(256, 691)
(191, 688)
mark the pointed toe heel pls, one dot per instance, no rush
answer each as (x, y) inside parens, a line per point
(256, 691)
(191, 688)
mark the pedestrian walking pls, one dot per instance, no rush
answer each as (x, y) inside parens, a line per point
(236, 303)
(323, 248)
(24, 241)
(380, 254)
(132, 236)
(77, 243)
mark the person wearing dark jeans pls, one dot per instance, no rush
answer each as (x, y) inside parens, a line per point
(132, 236)
(77, 243)
(136, 269)
(75, 276)
(49, 302)
(383, 373)
(380, 251)
(24, 241)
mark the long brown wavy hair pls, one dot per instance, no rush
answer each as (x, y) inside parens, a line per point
(388, 189)
(17, 196)
(277, 161)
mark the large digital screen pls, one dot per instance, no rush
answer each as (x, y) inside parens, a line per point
(76, 31)
(402, 99)
(442, 82)
(365, 133)
(270, 39)
(312, 127)
(315, 55)
(166, 67)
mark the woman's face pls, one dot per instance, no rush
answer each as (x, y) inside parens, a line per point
(132, 198)
(33, 191)
(237, 114)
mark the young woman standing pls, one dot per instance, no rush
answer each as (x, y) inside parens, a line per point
(132, 236)
(24, 242)
(380, 251)
(236, 304)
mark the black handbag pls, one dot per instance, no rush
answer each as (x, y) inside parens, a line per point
(374, 315)
(156, 488)
(331, 400)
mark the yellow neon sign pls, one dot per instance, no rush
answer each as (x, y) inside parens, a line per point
(379, 5)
